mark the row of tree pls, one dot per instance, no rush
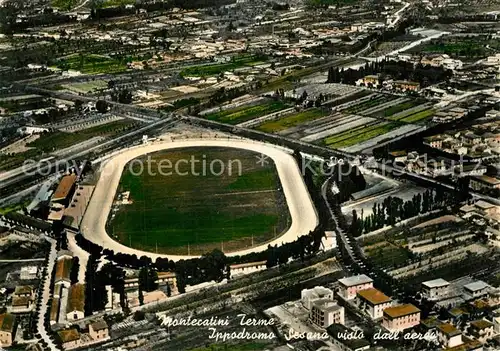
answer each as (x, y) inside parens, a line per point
(401, 70)
(394, 209)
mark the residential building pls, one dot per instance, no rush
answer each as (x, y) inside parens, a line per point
(484, 182)
(398, 318)
(406, 85)
(350, 286)
(346, 344)
(435, 289)
(476, 289)
(76, 302)
(481, 330)
(24, 291)
(7, 329)
(371, 80)
(373, 302)
(21, 304)
(325, 312)
(29, 273)
(70, 338)
(308, 296)
(99, 330)
(435, 141)
(449, 336)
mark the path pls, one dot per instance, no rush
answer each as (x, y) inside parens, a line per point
(45, 296)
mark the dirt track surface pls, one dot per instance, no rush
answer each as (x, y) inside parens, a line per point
(300, 205)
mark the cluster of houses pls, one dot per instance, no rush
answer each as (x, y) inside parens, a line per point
(358, 291)
(454, 333)
(479, 141)
(375, 81)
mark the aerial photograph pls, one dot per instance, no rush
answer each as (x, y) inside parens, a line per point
(250, 175)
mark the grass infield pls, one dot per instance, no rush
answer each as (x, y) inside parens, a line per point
(192, 214)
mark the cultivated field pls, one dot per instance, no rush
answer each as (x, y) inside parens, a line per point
(246, 113)
(192, 214)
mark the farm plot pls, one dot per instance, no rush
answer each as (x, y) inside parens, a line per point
(86, 87)
(49, 142)
(213, 70)
(246, 113)
(373, 101)
(359, 135)
(291, 121)
(382, 106)
(410, 111)
(369, 140)
(418, 117)
(387, 255)
(394, 109)
(92, 64)
(337, 125)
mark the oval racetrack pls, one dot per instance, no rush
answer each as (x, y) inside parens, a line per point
(302, 211)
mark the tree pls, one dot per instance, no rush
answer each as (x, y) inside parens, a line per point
(147, 279)
(169, 290)
(101, 106)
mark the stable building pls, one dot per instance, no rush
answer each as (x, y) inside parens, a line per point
(75, 308)
(70, 338)
(373, 302)
(399, 318)
(65, 190)
(246, 268)
(350, 286)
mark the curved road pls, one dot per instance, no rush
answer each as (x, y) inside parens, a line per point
(300, 205)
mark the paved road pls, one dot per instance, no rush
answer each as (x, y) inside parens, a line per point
(45, 295)
(300, 205)
(23, 260)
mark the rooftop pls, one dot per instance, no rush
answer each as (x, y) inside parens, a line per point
(18, 301)
(64, 187)
(68, 335)
(23, 290)
(7, 322)
(449, 329)
(476, 286)
(481, 324)
(374, 296)
(99, 325)
(436, 283)
(76, 298)
(401, 310)
(63, 269)
(326, 305)
(356, 280)
(250, 264)
(54, 309)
